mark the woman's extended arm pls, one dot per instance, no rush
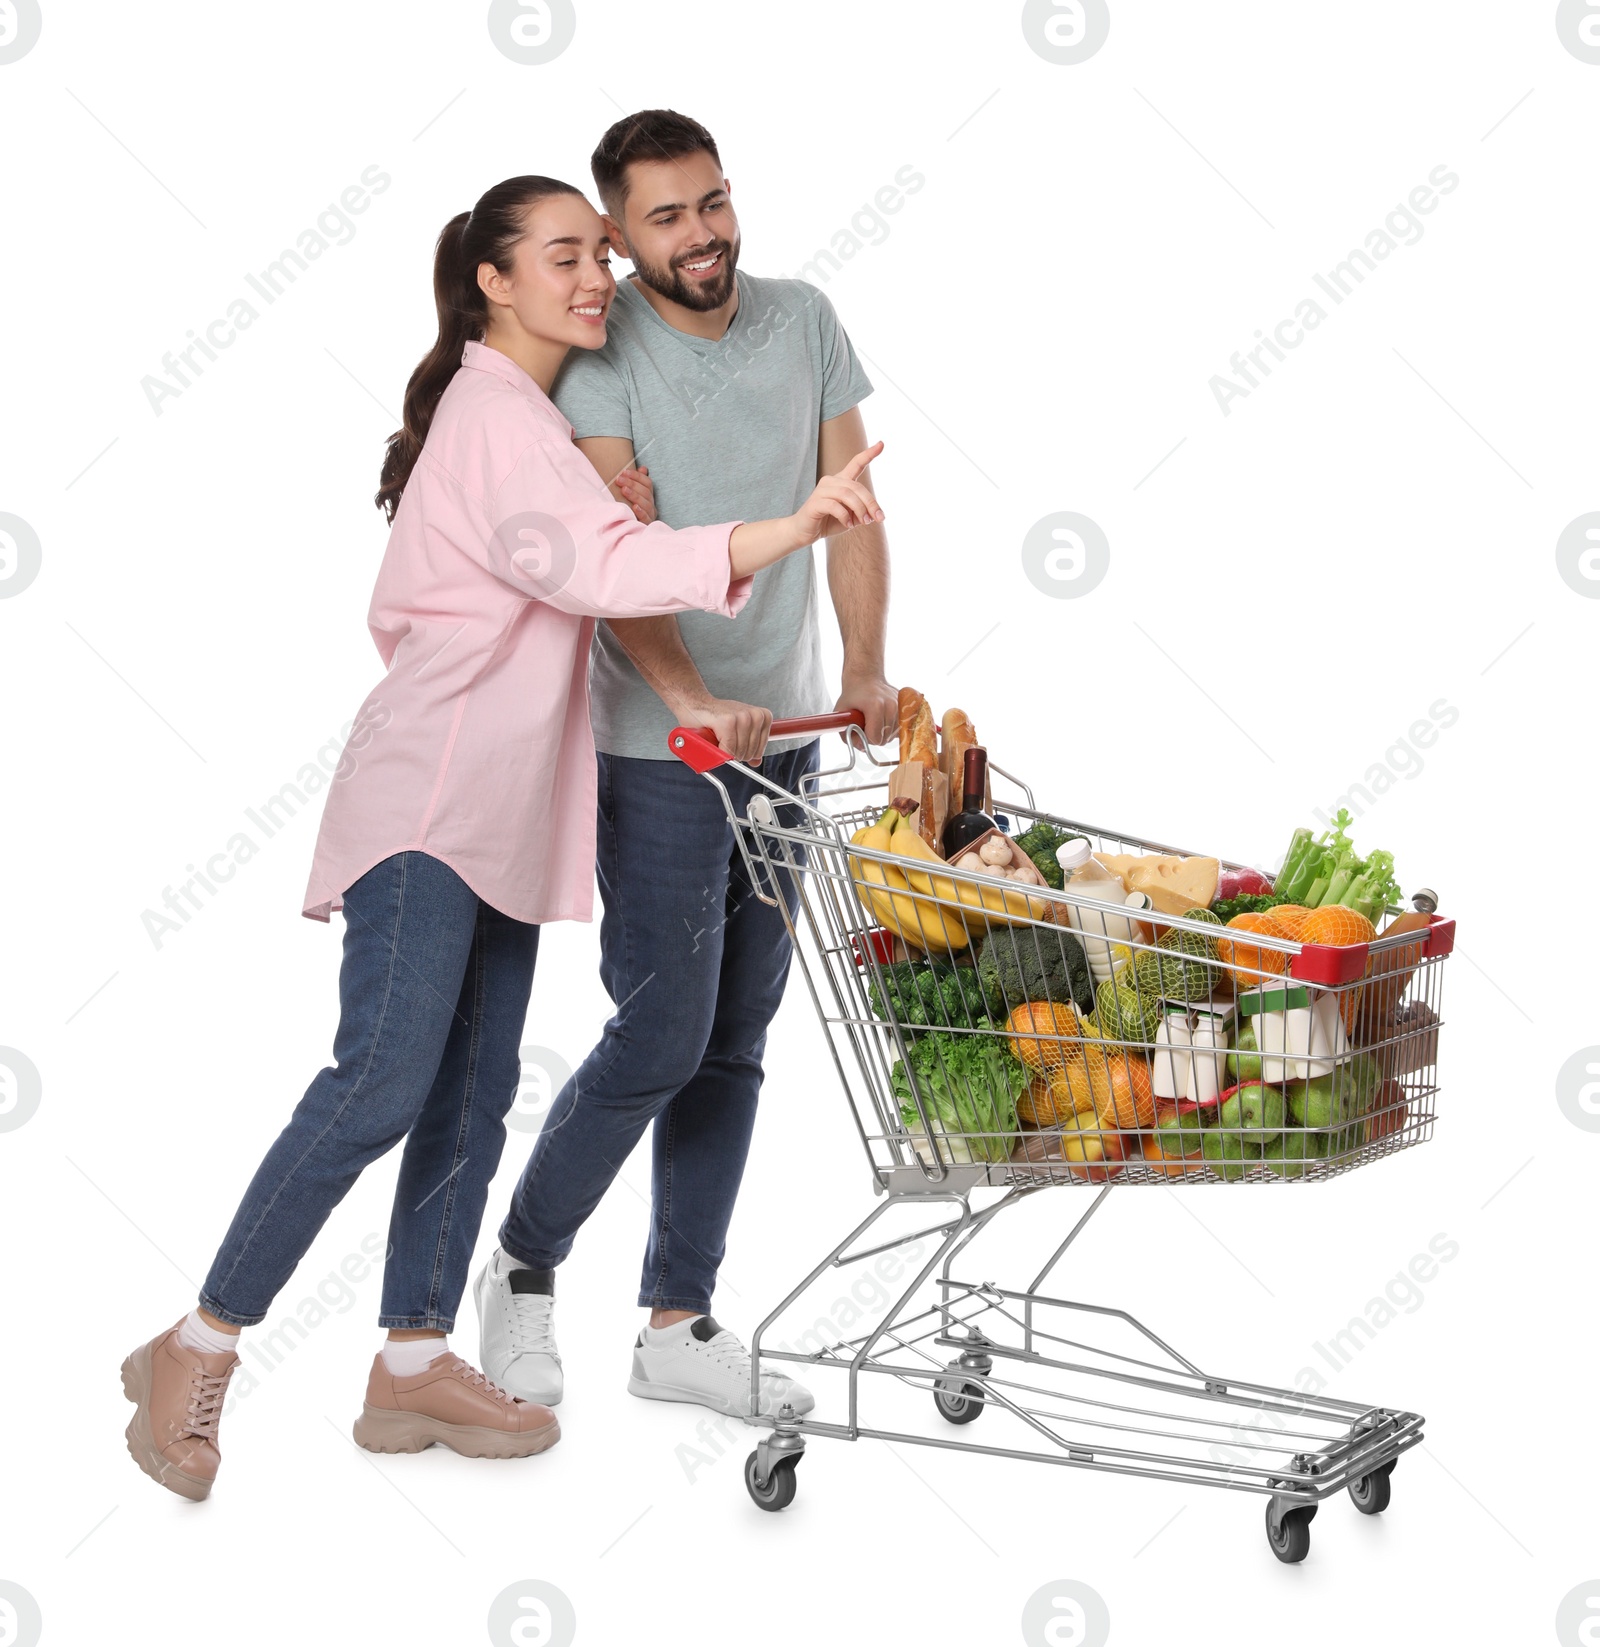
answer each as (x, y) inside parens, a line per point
(839, 502)
(558, 535)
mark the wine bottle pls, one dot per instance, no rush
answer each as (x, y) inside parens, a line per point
(971, 821)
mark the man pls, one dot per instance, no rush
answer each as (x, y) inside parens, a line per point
(731, 395)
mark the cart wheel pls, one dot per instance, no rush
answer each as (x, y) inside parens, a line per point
(1370, 1494)
(778, 1493)
(1293, 1542)
(958, 1404)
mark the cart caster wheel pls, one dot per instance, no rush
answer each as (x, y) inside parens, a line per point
(958, 1404)
(778, 1493)
(1370, 1494)
(1293, 1541)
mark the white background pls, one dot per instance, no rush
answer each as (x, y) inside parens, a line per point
(1369, 532)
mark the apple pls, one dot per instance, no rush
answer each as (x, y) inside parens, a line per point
(1389, 1110)
(1291, 1153)
(1174, 1165)
(1228, 1155)
(1253, 1112)
(1093, 1156)
(1239, 883)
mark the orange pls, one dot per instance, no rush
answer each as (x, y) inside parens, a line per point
(1037, 1104)
(1087, 1081)
(1291, 917)
(1250, 963)
(1127, 1100)
(1336, 925)
(1043, 1049)
(1169, 1166)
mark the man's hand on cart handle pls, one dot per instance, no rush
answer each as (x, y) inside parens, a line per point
(700, 748)
(878, 703)
(741, 730)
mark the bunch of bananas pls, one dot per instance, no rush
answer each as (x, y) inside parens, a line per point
(921, 901)
(932, 922)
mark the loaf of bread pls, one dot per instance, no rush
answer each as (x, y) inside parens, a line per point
(957, 736)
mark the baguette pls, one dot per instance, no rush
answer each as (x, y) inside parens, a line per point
(958, 735)
(922, 737)
(933, 809)
(910, 701)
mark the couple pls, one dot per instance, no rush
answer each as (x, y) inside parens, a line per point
(470, 817)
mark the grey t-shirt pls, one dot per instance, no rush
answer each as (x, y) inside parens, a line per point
(728, 430)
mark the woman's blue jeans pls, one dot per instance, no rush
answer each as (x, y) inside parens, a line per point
(433, 994)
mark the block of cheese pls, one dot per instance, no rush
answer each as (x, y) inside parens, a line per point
(1174, 884)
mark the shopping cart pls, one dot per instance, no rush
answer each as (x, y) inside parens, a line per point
(1083, 1044)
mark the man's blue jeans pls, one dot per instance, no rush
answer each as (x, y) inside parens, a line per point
(433, 992)
(696, 965)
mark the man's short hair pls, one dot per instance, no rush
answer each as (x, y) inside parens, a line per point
(651, 134)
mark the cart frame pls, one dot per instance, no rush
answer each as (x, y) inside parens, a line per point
(979, 1347)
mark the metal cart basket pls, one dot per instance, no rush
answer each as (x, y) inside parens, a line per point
(996, 1034)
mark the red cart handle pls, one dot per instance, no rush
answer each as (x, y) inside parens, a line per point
(698, 749)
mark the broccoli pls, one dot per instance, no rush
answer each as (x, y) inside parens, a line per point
(1040, 843)
(918, 996)
(1034, 963)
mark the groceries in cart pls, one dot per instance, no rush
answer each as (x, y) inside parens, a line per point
(1055, 1004)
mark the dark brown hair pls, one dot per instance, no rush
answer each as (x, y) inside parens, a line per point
(651, 134)
(487, 234)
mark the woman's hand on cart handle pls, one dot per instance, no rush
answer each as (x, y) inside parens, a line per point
(839, 503)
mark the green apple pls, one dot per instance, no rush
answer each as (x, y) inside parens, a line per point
(1319, 1103)
(1179, 1134)
(1291, 1153)
(1229, 1156)
(1254, 1114)
(1358, 1081)
(1244, 1062)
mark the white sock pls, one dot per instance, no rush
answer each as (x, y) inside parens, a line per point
(194, 1334)
(406, 1357)
(661, 1335)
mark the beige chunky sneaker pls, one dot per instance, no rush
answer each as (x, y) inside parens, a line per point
(177, 1395)
(450, 1402)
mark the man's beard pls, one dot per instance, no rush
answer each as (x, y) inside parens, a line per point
(693, 294)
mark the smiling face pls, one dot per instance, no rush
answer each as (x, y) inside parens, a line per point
(559, 288)
(678, 227)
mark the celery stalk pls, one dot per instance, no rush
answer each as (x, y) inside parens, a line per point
(1338, 886)
(1299, 845)
(1305, 877)
(1316, 893)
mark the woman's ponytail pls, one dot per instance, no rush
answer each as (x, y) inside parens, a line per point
(487, 234)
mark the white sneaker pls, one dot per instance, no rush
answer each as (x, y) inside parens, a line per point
(516, 1329)
(700, 1362)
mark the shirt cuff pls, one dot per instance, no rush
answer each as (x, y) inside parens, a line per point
(737, 589)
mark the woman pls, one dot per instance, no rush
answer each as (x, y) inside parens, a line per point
(460, 819)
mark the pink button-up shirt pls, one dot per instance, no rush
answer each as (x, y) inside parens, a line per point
(475, 747)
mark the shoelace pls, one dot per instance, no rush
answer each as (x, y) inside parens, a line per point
(726, 1350)
(206, 1391)
(479, 1380)
(533, 1325)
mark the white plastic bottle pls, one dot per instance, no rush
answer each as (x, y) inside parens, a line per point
(1085, 874)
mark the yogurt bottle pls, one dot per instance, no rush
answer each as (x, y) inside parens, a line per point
(1084, 873)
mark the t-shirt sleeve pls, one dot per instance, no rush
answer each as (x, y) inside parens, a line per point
(591, 395)
(844, 381)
